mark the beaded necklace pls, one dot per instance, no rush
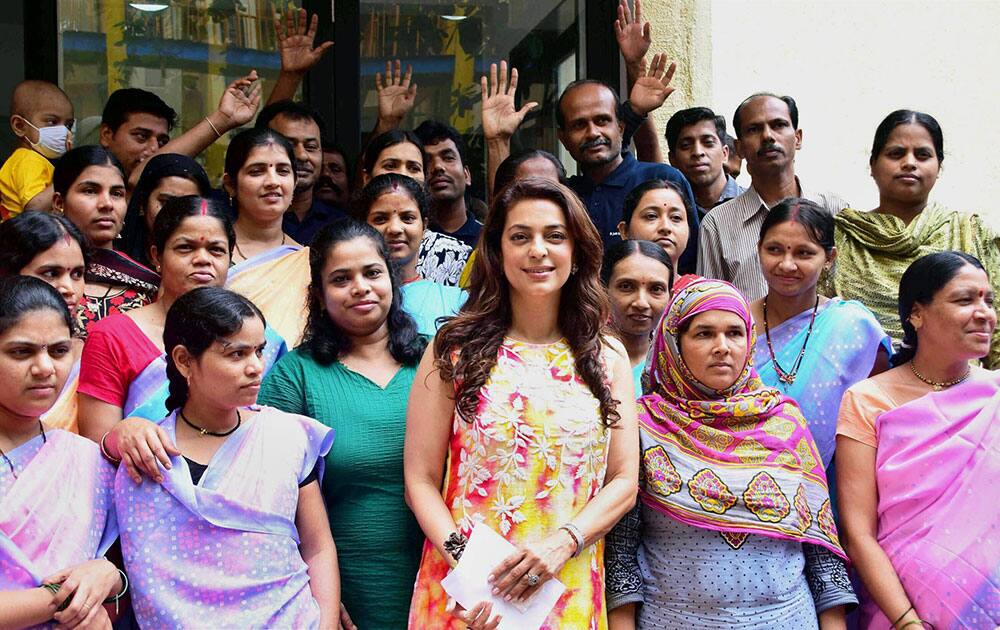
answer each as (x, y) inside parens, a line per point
(788, 377)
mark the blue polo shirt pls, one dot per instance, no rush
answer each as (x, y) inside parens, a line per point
(319, 215)
(605, 201)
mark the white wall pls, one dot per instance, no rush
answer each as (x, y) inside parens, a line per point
(848, 64)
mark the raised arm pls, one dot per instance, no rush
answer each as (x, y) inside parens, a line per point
(396, 96)
(298, 55)
(500, 117)
(237, 107)
(634, 39)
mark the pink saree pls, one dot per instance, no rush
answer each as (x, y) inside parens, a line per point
(225, 552)
(58, 512)
(937, 470)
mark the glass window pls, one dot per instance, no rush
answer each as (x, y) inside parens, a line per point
(184, 51)
(450, 45)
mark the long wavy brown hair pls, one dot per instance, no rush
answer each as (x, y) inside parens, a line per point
(478, 330)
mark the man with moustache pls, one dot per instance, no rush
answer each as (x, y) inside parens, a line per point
(695, 138)
(303, 128)
(333, 186)
(767, 136)
(448, 178)
(591, 130)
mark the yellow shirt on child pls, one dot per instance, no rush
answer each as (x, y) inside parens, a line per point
(25, 174)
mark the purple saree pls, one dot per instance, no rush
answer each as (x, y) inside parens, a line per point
(224, 553)
(58, 512)
(937, 469)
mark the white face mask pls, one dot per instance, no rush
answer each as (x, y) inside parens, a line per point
(52, 141)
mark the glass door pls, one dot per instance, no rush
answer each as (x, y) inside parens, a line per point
(184, 51)
(451, 44)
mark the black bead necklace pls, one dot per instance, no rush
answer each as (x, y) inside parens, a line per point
(788, 377)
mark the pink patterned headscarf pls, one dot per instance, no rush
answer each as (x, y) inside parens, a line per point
(739, 460)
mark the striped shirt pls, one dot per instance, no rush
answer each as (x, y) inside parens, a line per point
(727, 248)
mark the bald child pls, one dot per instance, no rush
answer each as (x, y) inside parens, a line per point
(41, 117)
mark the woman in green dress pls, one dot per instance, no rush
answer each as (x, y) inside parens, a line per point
(874, 248)
(353, 372)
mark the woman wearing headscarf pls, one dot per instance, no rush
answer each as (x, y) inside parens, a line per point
(734, 526)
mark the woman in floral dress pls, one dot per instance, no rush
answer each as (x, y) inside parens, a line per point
(514, 417)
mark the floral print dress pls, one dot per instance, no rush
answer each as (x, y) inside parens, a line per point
(532, 459)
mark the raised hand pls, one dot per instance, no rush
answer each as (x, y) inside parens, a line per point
(634, 36)
(295, 42)
(240, 100)
(397, 95)
(652, 88)
(500, 119)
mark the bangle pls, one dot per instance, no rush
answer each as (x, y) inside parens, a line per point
(114, 598)
(54, 588)
(919, 622)
(209, 121)
(900, 618)
(106, 454)
(577, 535)
(455, 545)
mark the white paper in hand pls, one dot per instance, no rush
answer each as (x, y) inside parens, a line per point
(467, 583)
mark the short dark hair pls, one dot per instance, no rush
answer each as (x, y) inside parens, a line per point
(196, 320)
(919, 284)
(561, 119)
(434, 132)
(817, 220)
(507, 169)
(687, 117)
(385, 183)
(291, 110)
(907, 117)
(323, 340)
(793, 109)
(32, 232)
(127, 101)
(389, 139)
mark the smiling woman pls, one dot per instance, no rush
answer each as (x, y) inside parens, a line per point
(123, 371)
(353, 372)
(270, 269)
(396, 206)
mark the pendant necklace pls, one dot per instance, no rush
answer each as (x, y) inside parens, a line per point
(788, 377)
(936, 385)
(204, 431)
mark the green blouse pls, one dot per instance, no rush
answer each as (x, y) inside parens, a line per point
(378, 539)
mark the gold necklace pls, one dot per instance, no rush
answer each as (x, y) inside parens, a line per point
(236, 246)
(936, 385)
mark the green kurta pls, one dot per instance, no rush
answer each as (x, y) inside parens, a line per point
(378, 539)
(874, 249)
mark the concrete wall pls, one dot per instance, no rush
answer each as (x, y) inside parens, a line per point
(848, 64)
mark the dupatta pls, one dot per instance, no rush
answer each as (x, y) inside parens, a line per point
(739, 461)
(277, 281)
(57, 512)
(936, 467)
(148, 392)
(842, 348)
(225, 550)
(63, 413)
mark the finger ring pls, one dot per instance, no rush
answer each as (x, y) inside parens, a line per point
(532, 579)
